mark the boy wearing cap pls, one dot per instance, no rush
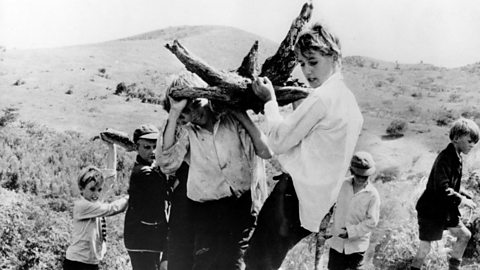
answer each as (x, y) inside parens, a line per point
(356, 214)
(437, 207)
(145, 221)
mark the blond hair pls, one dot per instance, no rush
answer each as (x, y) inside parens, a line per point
(462, 127)
(318, 38)
(89, 174)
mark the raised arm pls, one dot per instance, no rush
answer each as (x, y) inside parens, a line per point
(169, 133)
(111, 162)
(285, 133)
(258, 138)
(173, 146)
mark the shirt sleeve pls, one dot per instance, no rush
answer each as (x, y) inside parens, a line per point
(172, 158)
(86, 210)
(110, 170)
(286, 132)
(369, 223)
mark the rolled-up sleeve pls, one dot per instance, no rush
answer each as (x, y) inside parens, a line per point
(169, 160)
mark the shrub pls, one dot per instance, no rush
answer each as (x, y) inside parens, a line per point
(444, 117)
(388, 174)
(397, 128)
(146, 95)
(19, 82)
(379, 83)
(9, 115)
(454, 97)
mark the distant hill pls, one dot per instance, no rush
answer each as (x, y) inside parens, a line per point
(71, 88)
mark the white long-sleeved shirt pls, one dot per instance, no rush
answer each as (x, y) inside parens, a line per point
(359, 214)
(314, 145)
(87, 244)
(222, 163)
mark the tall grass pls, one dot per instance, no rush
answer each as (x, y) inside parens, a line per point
(38, 168)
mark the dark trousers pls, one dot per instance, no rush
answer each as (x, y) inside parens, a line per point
(180, 236)
(342, 261)
(145, 260)
(278, 228)
(222, 232)
(74, 265)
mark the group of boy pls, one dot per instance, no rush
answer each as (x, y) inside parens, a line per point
(209, 165)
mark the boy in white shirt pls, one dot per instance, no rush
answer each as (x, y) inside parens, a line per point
(356, 215)
(88, 245)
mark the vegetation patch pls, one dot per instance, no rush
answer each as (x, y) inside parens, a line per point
(146, 95)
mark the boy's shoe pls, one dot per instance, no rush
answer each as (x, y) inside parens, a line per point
(414, 268)
(454, 264)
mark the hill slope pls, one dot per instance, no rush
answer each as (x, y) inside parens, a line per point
(72, 88)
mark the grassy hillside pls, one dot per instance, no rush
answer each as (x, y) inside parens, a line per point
(52, 101)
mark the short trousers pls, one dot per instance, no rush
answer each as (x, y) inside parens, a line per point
(74, 265)
(432, 230)
(342, 261)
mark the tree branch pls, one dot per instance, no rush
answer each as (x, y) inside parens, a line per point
(279, 67)
(249, 67)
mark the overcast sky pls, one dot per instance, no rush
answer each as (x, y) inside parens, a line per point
(441, 32)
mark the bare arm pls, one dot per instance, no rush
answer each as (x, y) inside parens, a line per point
(110, 171)
(258, 138)
(169, 133)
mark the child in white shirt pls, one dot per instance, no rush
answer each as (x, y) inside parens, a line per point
(356, 215)
(88, 236)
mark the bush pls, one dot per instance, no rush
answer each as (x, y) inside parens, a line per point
(397, 128)
(144, 94)
(9, 115)
(388, 174)
(444, 117)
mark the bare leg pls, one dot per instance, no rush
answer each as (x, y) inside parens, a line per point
(463, 236)
(423, 250)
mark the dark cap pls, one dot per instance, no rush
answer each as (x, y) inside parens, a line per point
(362, 164)
(146, 131)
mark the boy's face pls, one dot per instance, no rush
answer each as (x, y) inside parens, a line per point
(146, 149)
(195, 112)
(315, 67)
(463, 144)
(92, 191)
(359, 179)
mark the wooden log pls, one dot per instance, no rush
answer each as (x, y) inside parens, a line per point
(279, 67)
(241, 98)
(116, 137)
(230, 88)
(249, 67)
(209, 74)
(321, 237)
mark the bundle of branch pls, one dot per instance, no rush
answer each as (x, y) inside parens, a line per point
(234, 89)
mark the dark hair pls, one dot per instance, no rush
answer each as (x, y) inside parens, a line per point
(89, 174)
(462, 127)
(318, 38)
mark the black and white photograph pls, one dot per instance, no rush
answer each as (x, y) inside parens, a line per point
(239, 134)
